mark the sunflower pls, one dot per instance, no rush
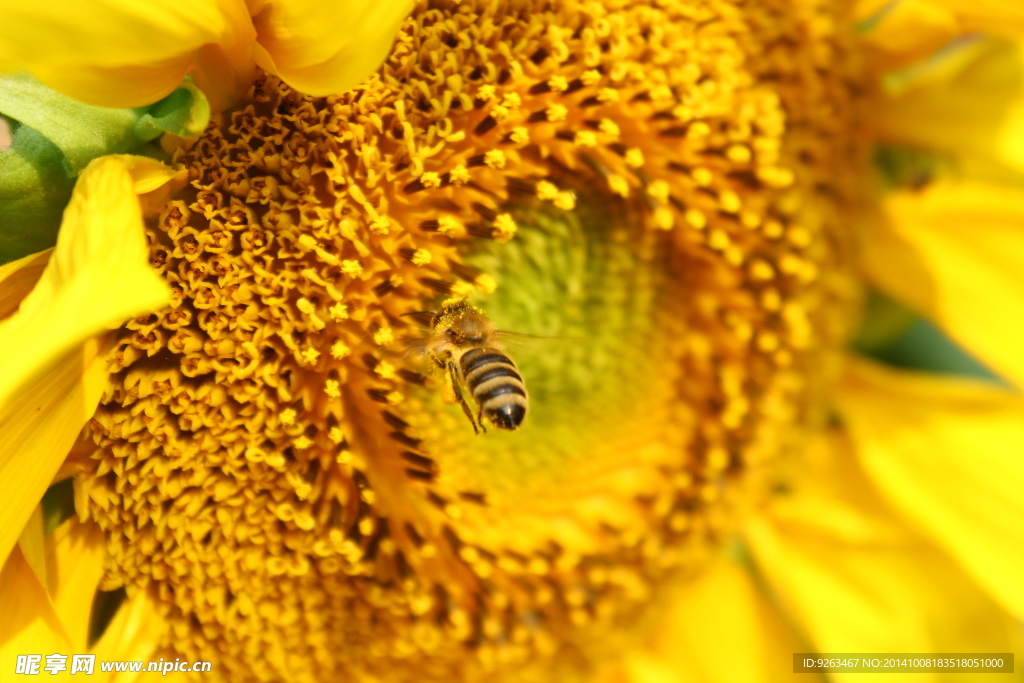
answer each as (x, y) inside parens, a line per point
(719, 218)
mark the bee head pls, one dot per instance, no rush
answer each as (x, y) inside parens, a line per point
(462, 324)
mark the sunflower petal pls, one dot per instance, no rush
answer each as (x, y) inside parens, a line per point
(117, 53)
(322, 48)
(32, 543)
(881, 588)
(18, 278)
(969, 102)
(954, 254)
(719, 628)
(75, 556)
(30, 623)
(905, 32)
(945, 452)
(995, 17)
(133, 633)
(53, 369)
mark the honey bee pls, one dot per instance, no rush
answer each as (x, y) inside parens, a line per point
(464, 343)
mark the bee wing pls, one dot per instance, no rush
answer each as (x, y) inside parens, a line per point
(413, 346)
(513, 336)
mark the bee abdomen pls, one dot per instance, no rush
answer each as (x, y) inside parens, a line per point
(496, 386)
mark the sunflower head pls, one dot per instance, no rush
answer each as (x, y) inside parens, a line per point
(659, 189)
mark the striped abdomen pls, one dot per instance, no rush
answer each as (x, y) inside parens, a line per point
(498, 390)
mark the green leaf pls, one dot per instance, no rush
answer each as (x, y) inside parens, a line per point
(34, 189)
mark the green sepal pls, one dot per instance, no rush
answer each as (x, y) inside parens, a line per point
(84, 132)
(185, 113)
(55, 139)
(34, 188)
(893, 334)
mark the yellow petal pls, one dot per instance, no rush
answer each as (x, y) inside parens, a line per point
(18, 278)
(133, 634)
(718, 629)
(38, 424)
(52, 371)
(75, 556)
(946, 452)
(33, 544)
(326, 48)
(969, 103)
(850, 574)
(903, 33)
(30, 624)
(994, 17)
(117, 53)
(955, 253)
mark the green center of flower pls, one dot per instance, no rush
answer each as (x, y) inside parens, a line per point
(657, 193)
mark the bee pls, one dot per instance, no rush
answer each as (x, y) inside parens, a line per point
(464, 343)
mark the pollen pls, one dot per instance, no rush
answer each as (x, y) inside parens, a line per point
(546, 191)
(273, 458)
(505, 226)
(332, 388)
(380, 225)
(339, 350)
(495, 159)
(459, 175)
(421, 257)
(556, 113)
(519, 135)
(385, 370)
(449, 226)
(384, 337)
(338, 312)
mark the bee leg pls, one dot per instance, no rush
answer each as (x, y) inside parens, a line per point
(459, 398)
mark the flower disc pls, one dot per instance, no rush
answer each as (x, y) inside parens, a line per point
(661, 190)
